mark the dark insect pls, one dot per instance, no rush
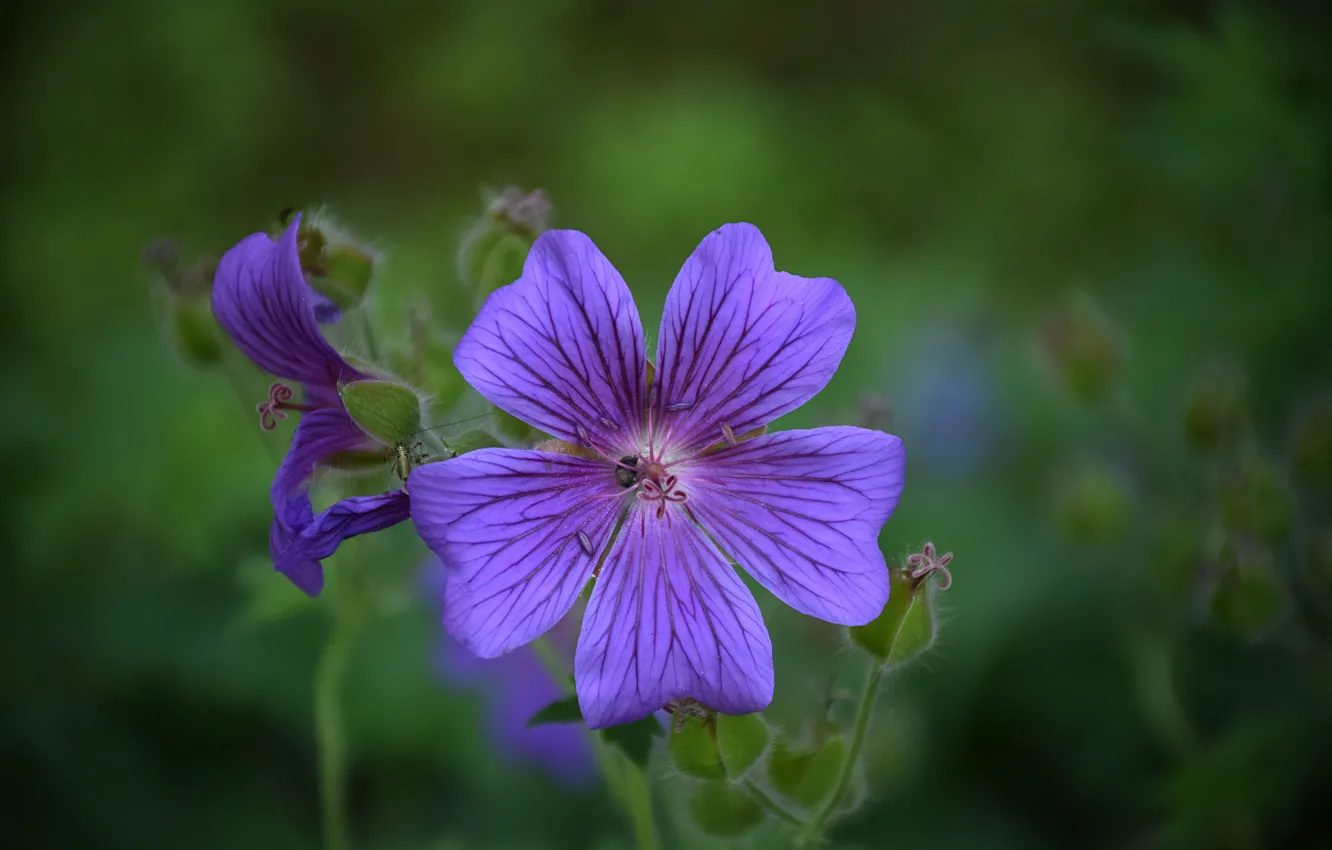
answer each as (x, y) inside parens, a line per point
(626, 477)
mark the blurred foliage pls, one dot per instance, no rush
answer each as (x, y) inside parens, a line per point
(964, 169)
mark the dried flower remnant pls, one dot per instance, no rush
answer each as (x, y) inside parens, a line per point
(263, 302)
(666, 483)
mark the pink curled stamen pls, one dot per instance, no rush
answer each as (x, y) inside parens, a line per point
(273, 411)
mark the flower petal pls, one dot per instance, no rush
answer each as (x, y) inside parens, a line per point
(321, 434)
(801, 511)
(324, 533)
(669, 619)
(562, 347)
(740, 343)
(520, 532)
(261, 299)
(291, 518)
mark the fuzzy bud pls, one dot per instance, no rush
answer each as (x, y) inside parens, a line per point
(1249, 597)
(495, 248)
(383, 409)
(906, 628)
(1256, 502)
(706, 745)
(1216, 413)
(1085, 348)
(337, 265)
(1092, 503)
(1313, 451)
(187, 293)
(724, 810)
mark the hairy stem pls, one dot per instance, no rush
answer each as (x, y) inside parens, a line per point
(775, 808)
(331, 736)
(867, 699)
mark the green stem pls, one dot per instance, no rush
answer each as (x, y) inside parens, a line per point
(368, 334)
(554, 665)
(331, 736)
(638, 805)
(761, 797)
(867, 698)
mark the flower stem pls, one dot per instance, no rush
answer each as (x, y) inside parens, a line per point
(638, 805)
(775, 808)
(866, 709)
(331, 736)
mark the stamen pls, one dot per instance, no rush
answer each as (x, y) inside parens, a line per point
(585, 542)
(582, 434)
(279, 400)
(729, 435)
(676, 407)
(608, 422)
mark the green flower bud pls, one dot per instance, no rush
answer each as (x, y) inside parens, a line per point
(1248, 597)
(905, 629)
(494, 251)
(383, 409)
(1085, 348)
(337, 264)
(1092, 503)
(1216, 413)
(724, 810)
(1320, 561)
(741, 739)
(1313, 450)
(197, 334)
(693, 747)
(1257, 502)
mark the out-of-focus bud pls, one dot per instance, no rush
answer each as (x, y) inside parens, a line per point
(715, 746)
(186, 291)
(1313, 450)
(1085, 348)
(724, 810)
(493, 251)
(1256, 502)
(1092, 503)
(338, 266)
(1177, 561)
(906, 627)
(1216, 413)
(1320, 560)
(383, 409)
(1249, 597)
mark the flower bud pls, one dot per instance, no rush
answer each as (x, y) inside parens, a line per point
(1320, 561)
(336, 264)
(724, 810)
(1216, 413)
(806, 774)
(186, 291)
(196, 332)
(1085, 348)
(494, 250)
(1256, 502)
(383, 409)
(906, 627)
(1313, 450)
(1248, 597)
(715, 746)
(1092, 503)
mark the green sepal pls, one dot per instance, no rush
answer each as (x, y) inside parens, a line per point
(693, 747)
(560, 711)
(905, 628)
(635, 739)
(787, 767)
(741, 739)
(825, 765)
(383, 409)
(724, 810)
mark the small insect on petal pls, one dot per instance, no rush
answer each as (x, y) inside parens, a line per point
(586, 543)
(677, 406)
(729, 435)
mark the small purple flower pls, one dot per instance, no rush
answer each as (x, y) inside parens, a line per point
(667, 486)
(263, 302)
(517, 688)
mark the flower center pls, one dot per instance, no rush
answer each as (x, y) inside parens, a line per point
(655, 484)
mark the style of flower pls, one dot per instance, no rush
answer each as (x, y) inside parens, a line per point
(665, 484)
(516, 687)
(263, 302)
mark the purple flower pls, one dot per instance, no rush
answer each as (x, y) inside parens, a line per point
(261, 299)
(666, 486)
(517, 688)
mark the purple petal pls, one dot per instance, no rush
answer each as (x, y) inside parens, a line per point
(261, 299)
(348, 518)
(562, 347)
(320, 435)
(290, 518)
(742, 344)
(801, 511)
(669, 619)
(506, 524)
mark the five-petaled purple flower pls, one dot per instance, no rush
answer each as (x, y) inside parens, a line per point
(263, 302)
(666, 486)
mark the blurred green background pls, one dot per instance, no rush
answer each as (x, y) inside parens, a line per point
(1085, 241)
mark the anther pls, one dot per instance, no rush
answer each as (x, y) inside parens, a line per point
(676, 407)
(729, 435)
(608, 422)
(585, 542)
(582, 434)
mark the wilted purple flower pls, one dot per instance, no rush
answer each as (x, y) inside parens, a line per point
(666, 486)
(263, 302)
(517, 687)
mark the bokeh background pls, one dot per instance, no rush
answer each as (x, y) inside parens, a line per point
(1089, 247)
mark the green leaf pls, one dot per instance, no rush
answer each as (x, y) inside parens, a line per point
(741, 739)
(724, 810)
(635, 739)
(559, 711)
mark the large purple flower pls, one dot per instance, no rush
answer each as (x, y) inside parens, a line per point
(665, 489)
(263, 302)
